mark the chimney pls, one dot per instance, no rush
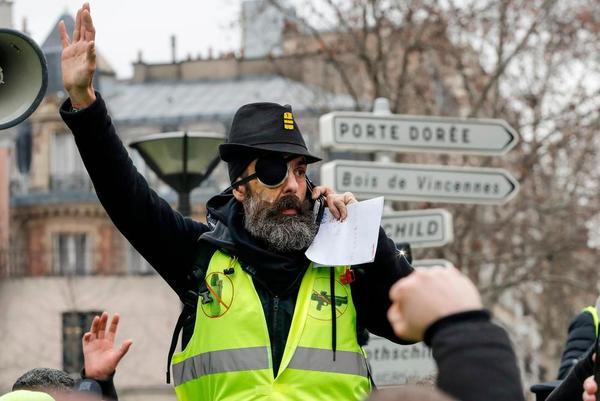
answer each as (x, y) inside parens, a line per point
(173, 49)
(24, 27)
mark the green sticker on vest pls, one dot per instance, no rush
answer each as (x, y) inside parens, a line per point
(320, 299)
(221, 294)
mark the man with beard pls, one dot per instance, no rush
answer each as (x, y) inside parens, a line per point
(262, 321)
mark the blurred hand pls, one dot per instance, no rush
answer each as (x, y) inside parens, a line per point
(590, 387)
(78, 60)
(335, 202)
(100, 359)
(426, 296)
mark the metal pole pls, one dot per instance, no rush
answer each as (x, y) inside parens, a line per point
(381, 107)
(184, 196)
(183, 203)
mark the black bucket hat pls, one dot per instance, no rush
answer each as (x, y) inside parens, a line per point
(260, 128)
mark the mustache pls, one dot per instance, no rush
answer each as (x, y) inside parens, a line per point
(290, 202)
(287, 202)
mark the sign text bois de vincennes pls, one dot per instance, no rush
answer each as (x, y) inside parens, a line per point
(414, 182)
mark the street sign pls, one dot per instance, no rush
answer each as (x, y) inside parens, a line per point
(368, 132)
(393, 364)
(414, 182)
(426, 263)
(420, 228)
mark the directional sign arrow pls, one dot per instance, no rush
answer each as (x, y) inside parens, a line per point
(414, 182)
(367, 132)
(420, 228)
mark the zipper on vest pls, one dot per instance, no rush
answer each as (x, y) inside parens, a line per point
(275, 312)
(274, 331)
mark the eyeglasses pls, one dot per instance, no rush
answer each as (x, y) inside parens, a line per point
(271, 171)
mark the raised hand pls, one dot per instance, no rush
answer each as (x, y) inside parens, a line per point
(425, 296)
(590, 387)
(100, 359)
(78, 61)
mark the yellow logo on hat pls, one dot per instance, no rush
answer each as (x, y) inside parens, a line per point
(288, 121)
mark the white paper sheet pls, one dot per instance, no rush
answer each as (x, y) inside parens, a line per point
(351, 242)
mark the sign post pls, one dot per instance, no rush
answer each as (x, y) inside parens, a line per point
(414, 182)
(420, 228)
(368, 132)
(381, 131)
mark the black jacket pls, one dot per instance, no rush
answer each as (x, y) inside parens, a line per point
(475, 359)
(169, 241)
(582, 333)
(571, 387)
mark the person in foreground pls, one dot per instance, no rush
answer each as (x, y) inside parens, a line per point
(100, 364)
(475, 359)
(260, 321)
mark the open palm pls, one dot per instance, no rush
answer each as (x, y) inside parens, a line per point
(78, 60)
(100, 357)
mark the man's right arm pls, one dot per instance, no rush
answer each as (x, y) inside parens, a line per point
(164, 237)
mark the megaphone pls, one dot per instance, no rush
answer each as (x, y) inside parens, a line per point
(23, 77)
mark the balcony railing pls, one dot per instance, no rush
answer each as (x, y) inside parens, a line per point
(23, 263)
(70, 182)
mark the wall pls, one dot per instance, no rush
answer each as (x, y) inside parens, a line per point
(31, 322)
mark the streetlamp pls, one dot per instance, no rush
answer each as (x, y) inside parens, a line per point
(181, 159)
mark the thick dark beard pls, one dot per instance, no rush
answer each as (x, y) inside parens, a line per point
(280, 232)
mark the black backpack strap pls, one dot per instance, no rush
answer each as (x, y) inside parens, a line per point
(196, 286)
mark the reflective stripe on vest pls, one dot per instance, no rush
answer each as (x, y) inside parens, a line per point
(592, 311)
(232, 360)
(229, 354)
(321, 360)
(228, 360)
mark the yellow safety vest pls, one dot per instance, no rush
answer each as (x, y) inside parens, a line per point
(229, 354)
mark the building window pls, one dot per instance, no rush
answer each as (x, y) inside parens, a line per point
(71, 255)
(137, 264)
(67, 170)
(74, 325)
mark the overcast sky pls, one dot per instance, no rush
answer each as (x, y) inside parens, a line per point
(124, 27)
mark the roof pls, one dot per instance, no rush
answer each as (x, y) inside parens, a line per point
(176, 102)
(53, 41)
(199, 195)
(52, 48)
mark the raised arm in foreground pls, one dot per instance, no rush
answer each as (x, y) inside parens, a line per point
(474, 357)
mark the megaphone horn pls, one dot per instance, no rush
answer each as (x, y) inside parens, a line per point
(23, 77)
